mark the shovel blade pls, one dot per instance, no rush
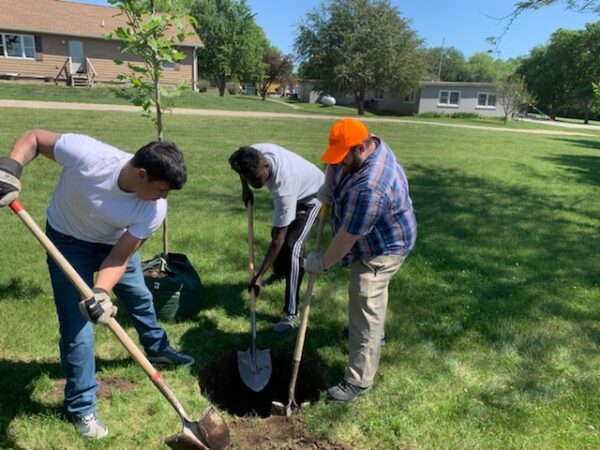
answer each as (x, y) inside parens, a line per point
(213, 429)
(209, 433)
(255, 369)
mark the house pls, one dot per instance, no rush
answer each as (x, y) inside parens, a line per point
(59, 40)
(439, 97)
(458, 97)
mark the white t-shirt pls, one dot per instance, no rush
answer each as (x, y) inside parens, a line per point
(88, 203)
(293, 179)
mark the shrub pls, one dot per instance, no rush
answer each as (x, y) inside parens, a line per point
(457, 115)
(233, 88)
(464, 115)
(203, 85)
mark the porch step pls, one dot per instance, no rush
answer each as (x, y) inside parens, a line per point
(80, 80)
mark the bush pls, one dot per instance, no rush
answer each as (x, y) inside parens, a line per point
(233, 88)
(465, 115)
(457, 115)
(203, 85)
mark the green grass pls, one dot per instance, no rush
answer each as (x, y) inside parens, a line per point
(493, 326)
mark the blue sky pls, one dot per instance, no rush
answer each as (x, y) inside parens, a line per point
(463, 24)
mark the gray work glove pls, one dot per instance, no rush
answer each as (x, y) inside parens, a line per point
(99, 308)
(325, 193)
(314, 262)
(10, 172)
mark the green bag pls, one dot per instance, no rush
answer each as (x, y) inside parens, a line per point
(175, 286)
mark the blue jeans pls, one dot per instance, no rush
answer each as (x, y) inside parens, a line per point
(77, 334)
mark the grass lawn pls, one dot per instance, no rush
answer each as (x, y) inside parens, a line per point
(211, 100)
(493, 326)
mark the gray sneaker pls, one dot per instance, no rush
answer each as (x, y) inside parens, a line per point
(345, 392)
(287, 322)
(169, 357)
(90, 426)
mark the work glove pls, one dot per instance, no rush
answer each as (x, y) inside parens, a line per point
(325, 193)
(10, 172)
(255, 284)
(314, 262)
(99, 308)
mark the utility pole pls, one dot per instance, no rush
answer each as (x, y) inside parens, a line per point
(440, 64)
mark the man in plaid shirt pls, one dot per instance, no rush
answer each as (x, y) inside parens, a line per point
(374, 230)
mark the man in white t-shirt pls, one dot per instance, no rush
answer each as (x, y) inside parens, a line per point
(294, 183)
(106, 204)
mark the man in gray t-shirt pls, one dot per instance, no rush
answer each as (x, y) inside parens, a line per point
(293, 182)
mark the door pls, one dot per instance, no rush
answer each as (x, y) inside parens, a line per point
(77, 56)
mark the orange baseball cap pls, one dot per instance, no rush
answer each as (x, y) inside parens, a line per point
(344, 135)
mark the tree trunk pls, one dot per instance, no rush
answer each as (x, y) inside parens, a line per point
(586, 114)
(359, 99)
(221, 84)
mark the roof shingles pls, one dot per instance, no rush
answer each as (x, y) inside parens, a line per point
(66, 18)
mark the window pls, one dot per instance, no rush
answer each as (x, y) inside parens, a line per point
(449, 98)
(486, 100)
(378, 93)
(167, 65)
(410, 98)
(17, 46)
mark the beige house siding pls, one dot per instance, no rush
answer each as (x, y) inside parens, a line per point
(52, 58)
(101, 54)
(54, 22)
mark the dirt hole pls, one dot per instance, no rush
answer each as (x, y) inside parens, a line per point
(221, 382)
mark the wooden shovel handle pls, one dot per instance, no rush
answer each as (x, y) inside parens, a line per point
(86, 292)
(306, 308)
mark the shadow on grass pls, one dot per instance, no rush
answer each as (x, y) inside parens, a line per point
(496, 264)
(585, 168)
(19, 289)
(16, 382)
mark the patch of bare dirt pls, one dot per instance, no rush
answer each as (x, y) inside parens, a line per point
(277, 433)
(108, 385)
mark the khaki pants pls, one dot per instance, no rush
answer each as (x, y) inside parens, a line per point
(368, 292)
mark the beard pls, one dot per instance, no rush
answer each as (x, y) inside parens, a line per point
(353, 165)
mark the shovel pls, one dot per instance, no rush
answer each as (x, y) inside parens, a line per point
(254, 365)
(279, 408)
(209, 432)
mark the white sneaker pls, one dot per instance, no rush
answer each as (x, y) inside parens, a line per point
(287, 322)
(90, 426)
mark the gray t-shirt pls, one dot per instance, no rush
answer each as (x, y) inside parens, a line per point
(293, 180)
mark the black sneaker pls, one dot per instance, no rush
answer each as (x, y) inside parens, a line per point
(287, 322)
(345, 392)
(90, 426)
(169, 357)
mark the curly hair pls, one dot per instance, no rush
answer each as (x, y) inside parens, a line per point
(245, 160)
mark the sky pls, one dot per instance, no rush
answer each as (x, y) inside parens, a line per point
(462, 24)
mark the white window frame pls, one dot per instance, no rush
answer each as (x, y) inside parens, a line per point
(447, 104)
(410, 98)
(23, 46)
(487, 100)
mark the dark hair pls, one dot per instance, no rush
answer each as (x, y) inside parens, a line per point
(245, 160)
(163, 162)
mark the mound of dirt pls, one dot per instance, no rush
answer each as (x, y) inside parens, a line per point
(108, 385)
(277, 433)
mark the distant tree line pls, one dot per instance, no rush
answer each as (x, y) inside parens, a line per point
(354, 47)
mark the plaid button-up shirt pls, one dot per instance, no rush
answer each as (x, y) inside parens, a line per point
(374, 203)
